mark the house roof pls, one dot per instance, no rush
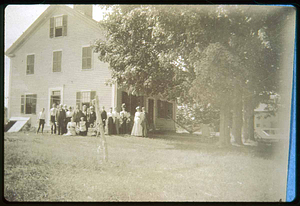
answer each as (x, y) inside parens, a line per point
(42, 18)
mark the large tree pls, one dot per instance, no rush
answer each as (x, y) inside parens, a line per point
(218, 55)
(254, 50)
(137, 52)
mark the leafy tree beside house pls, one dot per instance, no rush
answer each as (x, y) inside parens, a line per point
(215, 55)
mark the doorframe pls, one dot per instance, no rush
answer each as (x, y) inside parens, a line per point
(50, 90)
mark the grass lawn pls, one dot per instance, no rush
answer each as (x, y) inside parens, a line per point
(162, 167)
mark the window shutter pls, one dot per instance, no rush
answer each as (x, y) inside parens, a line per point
(88, 63)
(59, 60)
(65, 22)
(22, 104)
(89, 57)
(30, 64)
(54, 61)
(34, 100)
(78, 99)
(84, 63)
(51, 27)
(86, 58)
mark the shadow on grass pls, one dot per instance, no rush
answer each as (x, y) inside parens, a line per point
(195, 142)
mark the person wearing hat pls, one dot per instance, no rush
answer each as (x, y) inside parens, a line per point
(137, 129)
(91, 117)
(60, 118)
(84, 112)
(124, 119)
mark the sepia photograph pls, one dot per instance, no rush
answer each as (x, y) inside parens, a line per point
(148, 103)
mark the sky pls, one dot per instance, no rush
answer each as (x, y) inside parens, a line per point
(17, 19)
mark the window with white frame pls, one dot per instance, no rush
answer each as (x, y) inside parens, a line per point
(85, 98)
(58, 26)
(28, 104)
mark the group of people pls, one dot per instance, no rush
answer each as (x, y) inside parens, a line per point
(66, 121)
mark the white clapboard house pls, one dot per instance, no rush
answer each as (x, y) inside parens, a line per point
(53, 62)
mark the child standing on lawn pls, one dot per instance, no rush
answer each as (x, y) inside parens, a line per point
(41, 120)
(82, 127)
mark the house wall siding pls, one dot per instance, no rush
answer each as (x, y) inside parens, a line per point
(71, 78)
(262, 120)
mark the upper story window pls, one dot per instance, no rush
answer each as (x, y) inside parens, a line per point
(58, 26)
(30, 64)
(57, 61)
(86, 58)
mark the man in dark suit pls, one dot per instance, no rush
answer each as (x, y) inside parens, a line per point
(91, 116)
(144, 122)
(103, 117)
(65, 130)
(77, 115)
(84, 112)
(60, 118)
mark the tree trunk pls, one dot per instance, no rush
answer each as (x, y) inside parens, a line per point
(99, 125)
(224, 123)
(251, 123)
(248, 124)
(237, 122)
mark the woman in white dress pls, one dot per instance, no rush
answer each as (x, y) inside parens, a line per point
(71, 126)
(137, 129)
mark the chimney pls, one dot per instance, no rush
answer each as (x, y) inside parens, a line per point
(85, 9)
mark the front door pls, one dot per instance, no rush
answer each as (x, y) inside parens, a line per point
(55, 98)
